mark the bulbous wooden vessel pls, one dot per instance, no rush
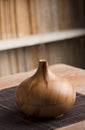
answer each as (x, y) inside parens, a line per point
(45, 94)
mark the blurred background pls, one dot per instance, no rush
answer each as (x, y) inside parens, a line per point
(41, 29)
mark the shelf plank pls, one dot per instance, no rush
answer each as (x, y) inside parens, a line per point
(40, 39)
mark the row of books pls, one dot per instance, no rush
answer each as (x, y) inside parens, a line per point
(20, 18)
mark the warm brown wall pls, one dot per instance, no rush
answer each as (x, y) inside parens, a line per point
(27, 17)
(19, 18)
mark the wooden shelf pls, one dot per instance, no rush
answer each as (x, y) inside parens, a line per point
(40, 39)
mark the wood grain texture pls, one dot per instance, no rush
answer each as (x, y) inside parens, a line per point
(45, 15)
(13, 19)
(54, 15)
(0, 20)
(44, 89)
(4, 66)
(22, 18)
(20, 60)
(13, 60)
(75, 75)
(25, 17)
(33, 19)
(82, 13)
(3, 25)
(62, 15)
(69, 52)
(7, 18)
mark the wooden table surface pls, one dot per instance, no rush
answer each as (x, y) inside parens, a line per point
(75, 75)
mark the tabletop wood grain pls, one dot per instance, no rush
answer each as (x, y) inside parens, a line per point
(75, 75)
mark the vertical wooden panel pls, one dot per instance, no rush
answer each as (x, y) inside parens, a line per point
(22, 17)
(82, 13)
(3, 26)
(33, 20)
(12, 19)
(54, 15)
(7, 18)
(62, 15)
(13, 61)
(73, 13)
(4, 66)
(20, 59)
(38, 11)
(82, 53)
(45, 15)
(79, 13)
(0, 19)
(30, 58)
